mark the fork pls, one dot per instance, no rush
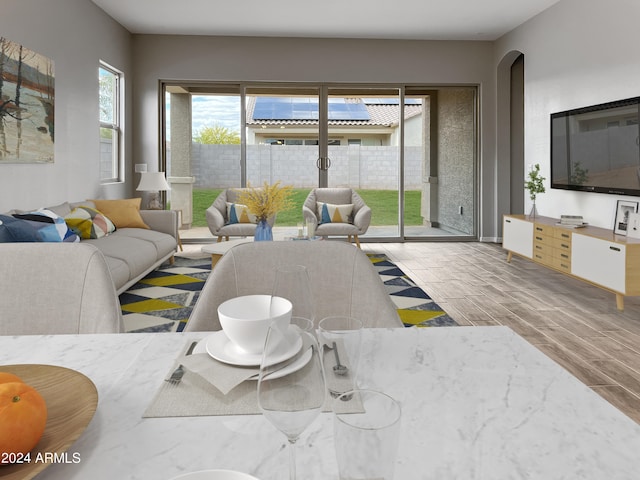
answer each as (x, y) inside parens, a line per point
(178, 373)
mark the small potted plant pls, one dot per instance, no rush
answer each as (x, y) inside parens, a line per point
(535, 185)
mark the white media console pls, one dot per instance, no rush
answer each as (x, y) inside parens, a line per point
(595, 255)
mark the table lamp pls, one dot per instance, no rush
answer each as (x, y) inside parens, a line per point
(153, 182)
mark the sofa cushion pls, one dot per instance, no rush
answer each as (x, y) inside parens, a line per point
(89, 223)
(123, 213)
(331, 213)
(138, 254)
(50, 226)
(163, 242)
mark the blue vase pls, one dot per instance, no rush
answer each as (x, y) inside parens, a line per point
(263, 232)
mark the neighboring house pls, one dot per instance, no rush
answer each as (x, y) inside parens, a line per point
(370, 122)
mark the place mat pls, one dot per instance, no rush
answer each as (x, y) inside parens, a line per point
(196, 396)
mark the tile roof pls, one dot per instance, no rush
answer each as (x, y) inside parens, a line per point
(385, 115)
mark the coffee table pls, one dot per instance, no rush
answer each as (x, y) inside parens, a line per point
(217, 250)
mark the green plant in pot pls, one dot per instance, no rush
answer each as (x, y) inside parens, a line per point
(535, 185)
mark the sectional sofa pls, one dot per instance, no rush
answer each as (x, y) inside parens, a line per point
(134, 242)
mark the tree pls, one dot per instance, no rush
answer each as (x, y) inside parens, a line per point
(217, 135)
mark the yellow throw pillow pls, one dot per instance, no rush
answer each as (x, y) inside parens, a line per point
(123, 213)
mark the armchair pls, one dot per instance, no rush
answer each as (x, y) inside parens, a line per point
(356, 223)
(218, 218)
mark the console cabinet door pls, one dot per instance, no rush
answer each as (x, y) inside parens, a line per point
(517, 236)
(599, 261)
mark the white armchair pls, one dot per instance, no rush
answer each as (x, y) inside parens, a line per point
(218, 218)
(356, 222)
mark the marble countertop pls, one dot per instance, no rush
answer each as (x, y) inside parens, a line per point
(477, 403)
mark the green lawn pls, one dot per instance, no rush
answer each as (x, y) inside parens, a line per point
(383, 203)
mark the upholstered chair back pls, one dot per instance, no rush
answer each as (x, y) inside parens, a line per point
(343, 281)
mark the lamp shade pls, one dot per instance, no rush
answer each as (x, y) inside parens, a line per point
(152, 182)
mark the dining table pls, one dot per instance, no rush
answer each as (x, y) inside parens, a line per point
(477, 403)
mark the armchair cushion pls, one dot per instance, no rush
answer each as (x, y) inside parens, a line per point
(331, 213)
(238, 213)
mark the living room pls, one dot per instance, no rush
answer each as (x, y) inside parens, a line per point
(576, 53)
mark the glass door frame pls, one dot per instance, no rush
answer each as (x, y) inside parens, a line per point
(324, 89)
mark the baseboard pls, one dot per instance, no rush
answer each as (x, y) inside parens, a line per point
(491, 239)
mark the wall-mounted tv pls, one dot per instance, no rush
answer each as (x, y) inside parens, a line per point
(597, 148)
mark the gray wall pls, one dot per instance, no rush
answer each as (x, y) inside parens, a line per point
(577, 53)
(316, 60)
(76, 35)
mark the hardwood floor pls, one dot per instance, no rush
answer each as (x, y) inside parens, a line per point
(574, 323)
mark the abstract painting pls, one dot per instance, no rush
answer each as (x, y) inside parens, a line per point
(26, 105)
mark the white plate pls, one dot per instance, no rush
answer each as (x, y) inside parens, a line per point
(222, 349)
(292, 367)
(215, 475)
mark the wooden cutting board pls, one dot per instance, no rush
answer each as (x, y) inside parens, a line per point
(71, 400)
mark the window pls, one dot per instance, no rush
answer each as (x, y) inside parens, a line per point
(110, 91)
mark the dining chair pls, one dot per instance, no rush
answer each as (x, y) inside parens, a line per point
(56, 288)
(342, 278)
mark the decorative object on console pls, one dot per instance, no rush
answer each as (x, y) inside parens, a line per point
(633, 227)
(623, 209)
(153, 182)
(535, 185)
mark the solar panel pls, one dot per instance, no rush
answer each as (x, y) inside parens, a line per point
(301, 108)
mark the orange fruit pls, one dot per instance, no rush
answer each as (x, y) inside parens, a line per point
(6, 377)
(23, 417)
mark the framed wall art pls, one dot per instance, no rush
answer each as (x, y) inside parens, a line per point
(26, 105)
(623, 210)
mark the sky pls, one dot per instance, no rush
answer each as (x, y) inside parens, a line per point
(207, 110)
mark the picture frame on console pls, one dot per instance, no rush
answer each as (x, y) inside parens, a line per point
(623, 209)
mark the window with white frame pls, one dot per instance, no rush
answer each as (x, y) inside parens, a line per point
(110, 91)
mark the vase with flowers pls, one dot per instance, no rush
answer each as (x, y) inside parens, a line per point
(265, 202)
(535, 185)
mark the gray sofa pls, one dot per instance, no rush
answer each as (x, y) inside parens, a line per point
(132, 253)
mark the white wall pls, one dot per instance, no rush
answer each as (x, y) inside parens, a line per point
(315, 60)
(76, 35)
(577, 53)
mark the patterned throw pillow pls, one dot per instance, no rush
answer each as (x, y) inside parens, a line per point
(88, 223)
(15, 230)
(330, 213)
(50, 226)
(238, 213)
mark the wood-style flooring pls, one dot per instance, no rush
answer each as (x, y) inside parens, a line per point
(574, 323)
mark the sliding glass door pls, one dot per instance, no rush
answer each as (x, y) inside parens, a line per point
(409, 151)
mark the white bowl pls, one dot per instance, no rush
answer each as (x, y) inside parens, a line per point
(245, 320)
(215, 475)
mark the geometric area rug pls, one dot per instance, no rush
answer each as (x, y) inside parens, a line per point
(415, 307)
(162, 301)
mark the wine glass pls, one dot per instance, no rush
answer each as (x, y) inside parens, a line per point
(291, 392)
(292, 282)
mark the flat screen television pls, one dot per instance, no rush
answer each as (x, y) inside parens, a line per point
(597, 148)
